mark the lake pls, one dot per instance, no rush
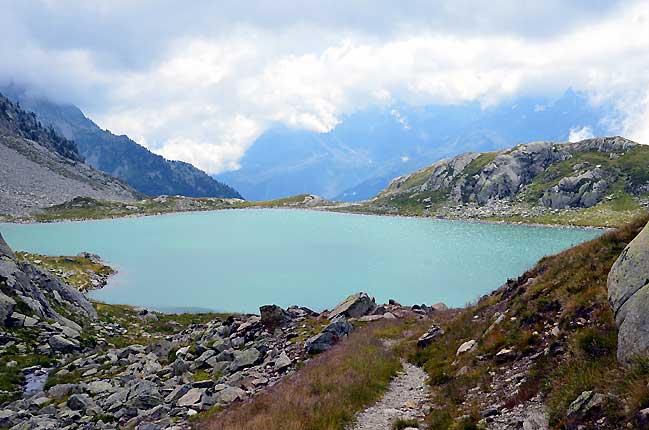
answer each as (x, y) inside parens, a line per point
(237, 260)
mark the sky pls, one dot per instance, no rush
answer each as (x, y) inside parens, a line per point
(200, 82)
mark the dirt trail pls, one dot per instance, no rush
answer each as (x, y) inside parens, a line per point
(406, 398)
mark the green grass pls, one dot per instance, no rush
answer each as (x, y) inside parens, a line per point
(80, 269)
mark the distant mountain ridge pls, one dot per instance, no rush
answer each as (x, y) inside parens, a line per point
(39, 168)
(359, 157)
(120, 156)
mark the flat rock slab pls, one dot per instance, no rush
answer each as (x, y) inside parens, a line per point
(405, 399)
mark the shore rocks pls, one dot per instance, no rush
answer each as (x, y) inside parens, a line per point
(628, 293)
(354, 306)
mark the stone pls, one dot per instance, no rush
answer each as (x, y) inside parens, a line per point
(354, 306)
(505, 355)
(7, 306)
(229, 395)
(63, 344)
(5, 250)
(439, 307)
(331, 335)
(246, 358)
(370, 318)
(467, 346)
(282, 362)
(193, 397)
(79, 402)
(536, 421)
(628, 294)
(584, 406)
(427, 338)
(273, 316)
(143, 394)
(98, 387)
(161, 348)
(60, 391)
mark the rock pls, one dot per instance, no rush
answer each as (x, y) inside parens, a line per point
(628, 294)
(229, 395)
(283, 361)
(427, 338)
(143, 394)
(370, 318)
(5, 250)
(354, 306)
(193, 397)
(467, 346)
(643, 419)
(246, 358)
(535, 421)
(60, 391)
(7, 305)
(585, 406)
(505, 355)
(21, 320)
(438, 307)
(98, 387)
(161, 348)
(328, 337)
(63, 344)
(273, 316)
(79, 402)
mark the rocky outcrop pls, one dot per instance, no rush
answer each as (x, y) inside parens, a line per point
(628, 293)
(40, 294)
(539, 174)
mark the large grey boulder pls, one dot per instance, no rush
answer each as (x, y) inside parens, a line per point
(7, 306)
(143, 394)
(331, 335)
(246, 358)
(628, 294)
(273, 316)
(354, 306)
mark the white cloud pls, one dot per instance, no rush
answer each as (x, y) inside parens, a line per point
(580, 133)
(204, 89)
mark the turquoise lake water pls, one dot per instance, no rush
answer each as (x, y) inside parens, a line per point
(237, 260)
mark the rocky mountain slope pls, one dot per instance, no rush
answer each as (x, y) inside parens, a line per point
(120, 156)
(39, 168)
(527, 180)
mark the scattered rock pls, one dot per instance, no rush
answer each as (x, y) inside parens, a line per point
(427, 338)
(354, 306)
(467, 346)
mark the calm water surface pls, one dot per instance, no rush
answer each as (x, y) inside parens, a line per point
(238, 260)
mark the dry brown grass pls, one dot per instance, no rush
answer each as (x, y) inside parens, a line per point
(325, 394)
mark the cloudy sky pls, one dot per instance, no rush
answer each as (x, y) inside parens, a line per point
(200, 82)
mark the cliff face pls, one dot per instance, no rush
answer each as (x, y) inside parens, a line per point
(552, 175)
(39, 168)
(628, 292)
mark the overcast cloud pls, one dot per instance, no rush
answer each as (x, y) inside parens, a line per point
(200, 83)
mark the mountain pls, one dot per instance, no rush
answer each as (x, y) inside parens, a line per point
(39, 168)
(359, 156)
(120, 156)
(539, 178)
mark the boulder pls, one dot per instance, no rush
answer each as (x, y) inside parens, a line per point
(467, 346)
(143, 394)
(283, 361)
(354, 306)
(79, 402)
(246, 358)
(628, 294)
(328, 337)
(7, 306)
(63, 344)
(193, 397)
(5, 250)
(273, 316)
(427, 338)
(229, 395)
(536, 421)
(587, 405)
